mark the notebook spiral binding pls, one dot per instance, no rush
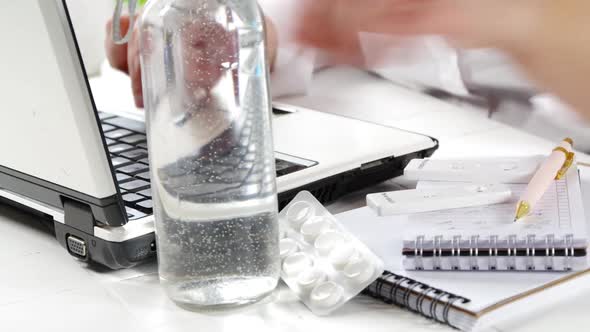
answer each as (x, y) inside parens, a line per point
(569, 251)
(474, 252)
(530, 252)
(493, 251)
(456, 243)
(512, 252)
(437, 255)
(410, 294)
(419, 252)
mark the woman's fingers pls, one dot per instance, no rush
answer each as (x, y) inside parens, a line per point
(117, 54)
(125, 57)
(135, 68)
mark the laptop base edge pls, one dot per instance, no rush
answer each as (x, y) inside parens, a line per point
(331, 188)
(106, 210)
(87, 247)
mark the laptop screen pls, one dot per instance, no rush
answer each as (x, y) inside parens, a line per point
(48, 127)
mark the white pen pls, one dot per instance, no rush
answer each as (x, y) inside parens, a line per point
(554, 167)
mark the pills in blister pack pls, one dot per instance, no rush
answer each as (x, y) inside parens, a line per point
(321, 262)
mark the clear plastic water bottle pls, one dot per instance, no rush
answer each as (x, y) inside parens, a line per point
(206, 93)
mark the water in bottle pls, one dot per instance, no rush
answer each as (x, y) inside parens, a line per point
(205, 83)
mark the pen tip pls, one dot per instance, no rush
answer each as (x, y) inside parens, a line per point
(523, 209)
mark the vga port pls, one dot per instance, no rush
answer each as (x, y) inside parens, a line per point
(76, 246)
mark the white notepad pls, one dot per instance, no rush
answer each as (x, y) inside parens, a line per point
(466, 300)
(487, 238)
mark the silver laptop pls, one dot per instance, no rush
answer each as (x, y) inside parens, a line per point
(86, 172)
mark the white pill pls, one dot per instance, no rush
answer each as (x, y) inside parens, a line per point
(282, 232)
(299, 213)
(313, 227)
(326, 294)
(359, 270)
(309, 278)
(326, 242)
(288, 247)
(342, 255)
(296, 263)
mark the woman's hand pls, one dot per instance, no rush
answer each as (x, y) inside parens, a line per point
(126, 57)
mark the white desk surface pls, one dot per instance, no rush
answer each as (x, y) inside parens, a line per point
(43, 288)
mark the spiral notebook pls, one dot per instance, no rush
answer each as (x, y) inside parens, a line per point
(464, 300)
(486, 238)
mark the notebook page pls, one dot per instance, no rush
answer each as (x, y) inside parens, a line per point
(384, 235)
(559, 213)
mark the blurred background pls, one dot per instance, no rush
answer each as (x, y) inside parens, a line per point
(542, 115)
(89, 18)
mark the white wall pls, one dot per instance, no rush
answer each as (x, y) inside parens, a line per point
(89, 18)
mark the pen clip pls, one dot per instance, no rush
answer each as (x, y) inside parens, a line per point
(569, 160)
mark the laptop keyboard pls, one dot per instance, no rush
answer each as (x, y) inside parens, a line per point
(127, 144)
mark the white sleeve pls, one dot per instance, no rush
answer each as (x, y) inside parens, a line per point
(419, 62)
(294, 65)
(491, 68)
(293, 70)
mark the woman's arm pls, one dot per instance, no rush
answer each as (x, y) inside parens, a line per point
(549, 39)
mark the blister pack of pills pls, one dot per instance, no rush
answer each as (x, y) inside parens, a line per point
(322, 262)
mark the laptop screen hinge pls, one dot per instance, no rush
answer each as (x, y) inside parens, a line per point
(79, 216)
